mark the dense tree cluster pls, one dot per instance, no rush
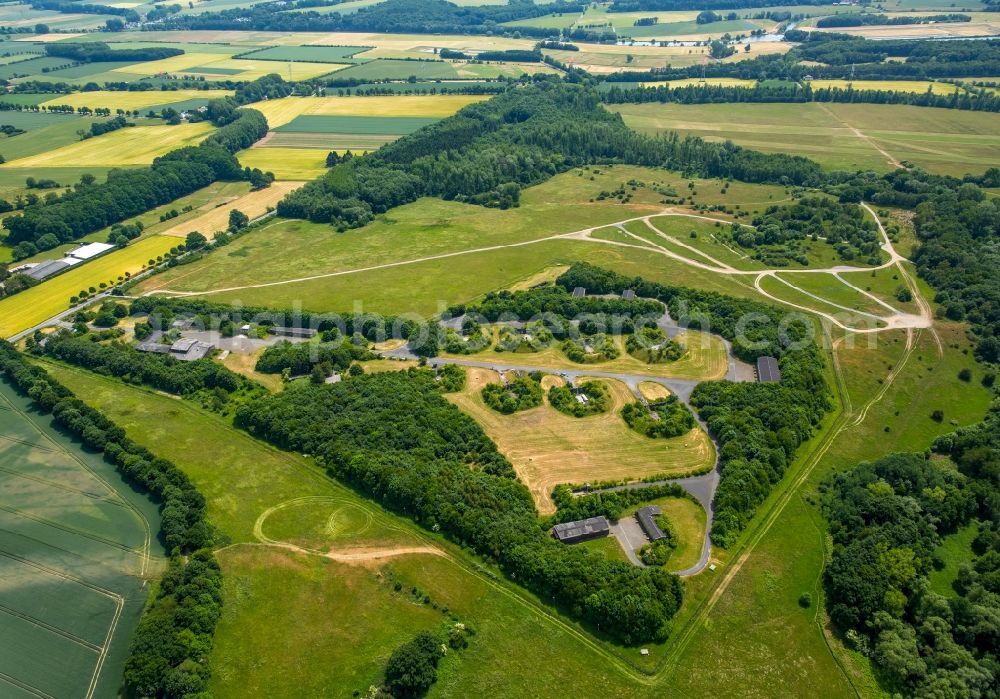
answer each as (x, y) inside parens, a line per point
(662, 418)
(521, 392)
(299, 358)
(71, 7)
(559, 303)
(99, 52)
(758, 426)
(842, 225)
(652, 346)
(412, 667)
(488, 151)
(168, 655)
(867, 18)
(887, 519)
(159, 371)
(99, 128)
(670, 5)
(564, 399)
(394, 437)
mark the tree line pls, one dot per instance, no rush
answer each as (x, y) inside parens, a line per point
(395, 438)
(487, 152)
(963, 97)
(99, 52)
(869, 19)
(168, 654)
(758, 426)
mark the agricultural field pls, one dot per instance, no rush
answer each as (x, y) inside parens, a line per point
(839, 136)
(133, 100)
(291, 164)
(309, 54)
(75, 546)
(52, 296)
(215, 216)
(920, 86)
(138, 145)
(549, 448)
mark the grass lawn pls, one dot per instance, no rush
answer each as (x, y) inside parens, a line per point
(830, 288)
(798, 298)
(607, 546)
(41, 302)
(130, 146)
(882, 283)
(548, 447)
(955, 549)
(295, 249)
(943, 141)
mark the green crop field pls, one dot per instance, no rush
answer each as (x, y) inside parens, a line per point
(839, 136)
(31, 66)
(393, 126)
(27, 121)
(28, 98)
(314, 54)
(389, 69)
(74, 541)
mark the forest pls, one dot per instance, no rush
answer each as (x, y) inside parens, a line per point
(559, 302)
(395, 438)
(887, 519)
(98, 51)
(392, 16)
(758, 426)
(487, 152)
(168, 654)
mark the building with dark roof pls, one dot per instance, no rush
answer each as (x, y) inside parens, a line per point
(767, 370)
(579, 292)
(152, 346)
(44, 270)
(292, 332)
(647, 520)
(581, 530)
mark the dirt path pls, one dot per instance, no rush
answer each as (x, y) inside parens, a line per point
(889, 157)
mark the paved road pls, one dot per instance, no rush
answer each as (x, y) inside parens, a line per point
(702, 487)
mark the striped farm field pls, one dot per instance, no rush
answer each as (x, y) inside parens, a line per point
(313, 54)
(282, 111)
(41, 302)
(253, 204)
(373, 125)
(326, 141)
(123, 99)
(137, 145)
(548, 448)
(286, 163)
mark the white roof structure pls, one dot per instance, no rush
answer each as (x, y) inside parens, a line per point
(85, 252)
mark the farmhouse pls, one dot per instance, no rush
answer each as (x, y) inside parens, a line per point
(767, 370)
(647, 521)
(581, 530)
(292, 332)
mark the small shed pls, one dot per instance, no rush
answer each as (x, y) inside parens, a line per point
(647, 521)
(579, 292)
(767, 370)
(581, 530)
(628, 295)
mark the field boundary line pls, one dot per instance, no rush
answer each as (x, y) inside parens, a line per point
(49, 627)
(26, 687)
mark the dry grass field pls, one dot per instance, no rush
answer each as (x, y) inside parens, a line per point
(132, 146)
(286, 163)
(548, 448)
(216, 216)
